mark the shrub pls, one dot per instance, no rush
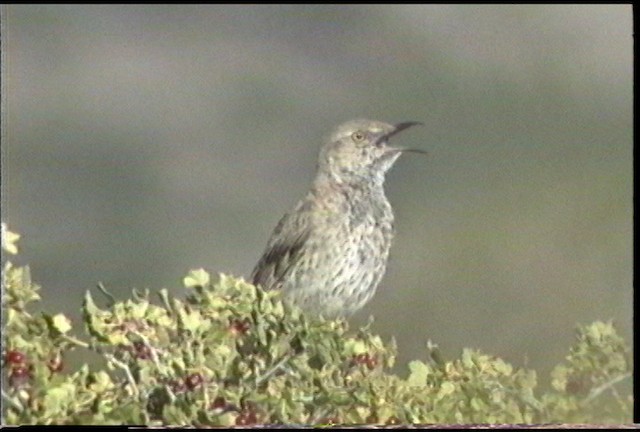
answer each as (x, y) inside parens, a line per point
(232, 354)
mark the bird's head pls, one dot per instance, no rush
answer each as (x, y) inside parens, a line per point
(359, 151)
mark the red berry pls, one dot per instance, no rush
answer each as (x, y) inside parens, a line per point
(142, 350)
(239, 327)
(20, 371)
(19, 376)
(393, 420)
(328, 420)
(194, 381)
(360, 359)
(15, 357)
(246, 418)
(55, 364)
(365, 359)
(178, 386)
(371, 419)
(372, 362)
(219, 403)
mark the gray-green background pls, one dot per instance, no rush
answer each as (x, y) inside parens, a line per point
(142, 141)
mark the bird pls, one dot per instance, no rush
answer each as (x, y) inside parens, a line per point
(328, 254)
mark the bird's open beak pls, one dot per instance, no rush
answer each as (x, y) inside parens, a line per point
(404, 125)
(399, 128)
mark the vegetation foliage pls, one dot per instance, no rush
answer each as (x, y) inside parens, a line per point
(229, 353)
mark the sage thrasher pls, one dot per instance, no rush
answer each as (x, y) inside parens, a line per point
(329, 253)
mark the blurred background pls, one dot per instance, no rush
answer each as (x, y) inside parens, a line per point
(143, 141)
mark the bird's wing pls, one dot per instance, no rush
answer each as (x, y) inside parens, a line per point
(284, 250)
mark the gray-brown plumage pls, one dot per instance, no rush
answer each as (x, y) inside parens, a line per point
(329, 253)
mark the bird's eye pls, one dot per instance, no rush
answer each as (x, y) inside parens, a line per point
(357, 136)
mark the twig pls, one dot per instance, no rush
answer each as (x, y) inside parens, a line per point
(75, 341)
(599, 390)
(107, 294)
(126, 370)
(273, 370)
(11, 400)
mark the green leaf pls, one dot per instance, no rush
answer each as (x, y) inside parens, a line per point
(195, 278)
(61, 323)
(9, 239)
(355, 346)
(193, 321)
(418, 373)
(101, 382)
(57, 399)
(88, 306)
(91, 315)
(446, 389)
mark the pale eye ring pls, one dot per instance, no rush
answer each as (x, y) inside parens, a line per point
(358, 136)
